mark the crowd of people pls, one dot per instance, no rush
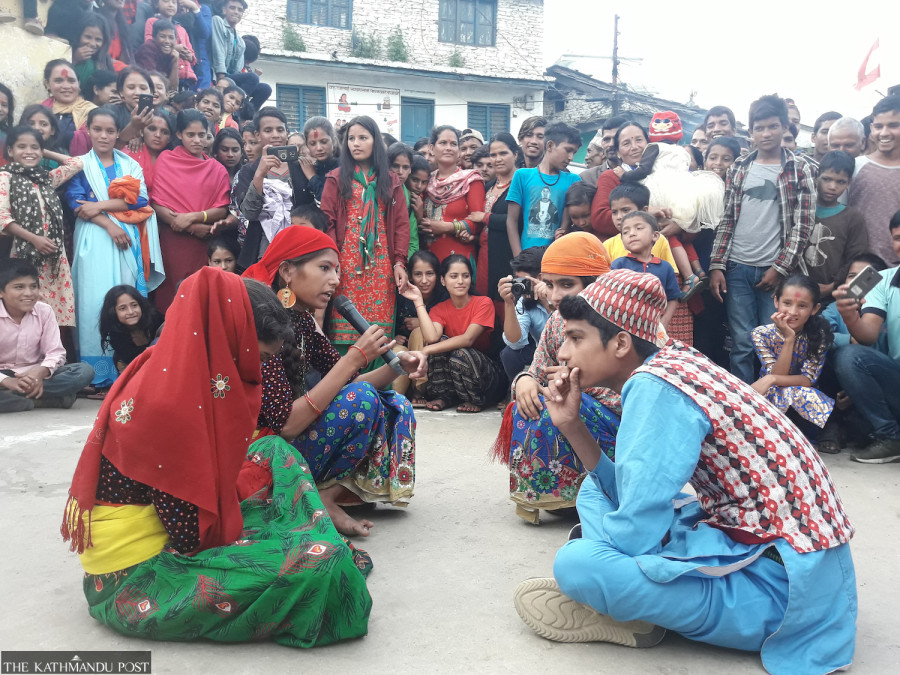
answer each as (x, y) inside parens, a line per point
(723, 279)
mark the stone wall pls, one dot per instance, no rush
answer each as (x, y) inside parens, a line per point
(519, 49)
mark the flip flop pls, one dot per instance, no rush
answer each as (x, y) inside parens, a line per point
(436, 405)
(695, 284)
(418, 403)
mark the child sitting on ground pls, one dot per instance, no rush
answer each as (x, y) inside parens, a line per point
(792, 352)
(309, 215)
(128, 324)
(33, 369)
(639, 232)
(223, 253)
(577, 211)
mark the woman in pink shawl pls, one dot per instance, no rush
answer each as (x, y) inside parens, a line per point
(190, 193)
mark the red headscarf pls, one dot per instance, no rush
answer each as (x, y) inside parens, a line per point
(181, 416)
(292, 242)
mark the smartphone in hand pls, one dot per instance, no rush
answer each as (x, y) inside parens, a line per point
(145, 102)
(863, 283)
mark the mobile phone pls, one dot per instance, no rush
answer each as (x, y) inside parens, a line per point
(863, 282)
(145, 102)
(286, 153)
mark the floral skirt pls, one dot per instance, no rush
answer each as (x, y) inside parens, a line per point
(810, 403)
(544, 471)
(290, 577)
(365, 440)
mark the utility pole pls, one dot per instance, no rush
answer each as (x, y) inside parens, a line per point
(615, 68)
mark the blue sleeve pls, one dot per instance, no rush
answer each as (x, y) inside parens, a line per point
(524, 319)
(516, 192)
(670, 283)
(78, 188)
(619, 264)
(838, 326)
(655, 457)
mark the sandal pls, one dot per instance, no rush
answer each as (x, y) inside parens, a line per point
(436, 405)
(829, 448)
(418, 403)
(695, 284)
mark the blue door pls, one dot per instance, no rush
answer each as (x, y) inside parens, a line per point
(416, 118)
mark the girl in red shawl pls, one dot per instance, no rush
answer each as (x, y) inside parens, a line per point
(190, 193)
(368, 220)
(454, 201)
(156, 137)
(184, 532)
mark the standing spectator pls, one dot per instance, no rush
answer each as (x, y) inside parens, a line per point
(469, 141)
(875, 189)
(494, 252)
(368, 221)
(699, 139)
(819, 136)
(168, 9)
(769, 212)
(628, 143)
(321, 142)
(454, 203)
(539, 194)
(158, 54)
(156, 137)
(720, 122)
(191, 191)
(869, 376)
(847, 134)
(839, 233)
(531, 140)
(226, 48)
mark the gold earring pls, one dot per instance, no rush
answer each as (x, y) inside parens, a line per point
(287, 297)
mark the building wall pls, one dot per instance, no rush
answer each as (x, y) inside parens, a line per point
(451, 96)
(519, 49)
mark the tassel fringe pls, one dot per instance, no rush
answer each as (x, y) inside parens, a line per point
(501, 446)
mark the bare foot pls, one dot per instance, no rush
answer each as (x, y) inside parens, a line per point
(343, 523)
(468, 408)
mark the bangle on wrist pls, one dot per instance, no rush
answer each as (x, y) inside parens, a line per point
(363, 354)
(312, 405)
(204, 216)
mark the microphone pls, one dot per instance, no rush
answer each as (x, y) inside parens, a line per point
(348, 310)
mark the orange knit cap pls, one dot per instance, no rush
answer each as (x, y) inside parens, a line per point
(578, 254)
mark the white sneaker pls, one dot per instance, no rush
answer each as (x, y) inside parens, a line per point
(6, 17)
(34, 26)
(555, 616)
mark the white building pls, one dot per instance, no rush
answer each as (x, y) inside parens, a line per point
(496, 46)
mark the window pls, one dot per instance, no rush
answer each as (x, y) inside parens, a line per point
(300, 103)
(416, 118)
(330, 13)
(468, 22)
(488, 119)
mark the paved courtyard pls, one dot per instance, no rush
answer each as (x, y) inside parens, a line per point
(445, 569)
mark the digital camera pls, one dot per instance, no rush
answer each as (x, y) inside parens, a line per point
(286, 153)
(520, 288)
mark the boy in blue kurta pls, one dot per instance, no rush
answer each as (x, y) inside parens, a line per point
(759, 560)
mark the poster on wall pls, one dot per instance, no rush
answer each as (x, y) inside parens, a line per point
(346, 101)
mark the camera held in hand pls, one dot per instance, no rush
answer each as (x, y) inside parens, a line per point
(520, 288)
(286, 153)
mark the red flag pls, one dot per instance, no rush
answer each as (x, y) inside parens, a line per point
(864, 76)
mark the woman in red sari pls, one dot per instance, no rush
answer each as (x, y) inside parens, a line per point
(454, 201)
(368, 220)
(190, 193)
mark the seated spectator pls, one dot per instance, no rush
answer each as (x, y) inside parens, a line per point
(32, 23)
(190, 194)
(525, 314)
(792, 352)
(101, 88)
(875, 189)
(833, 316)
(211, 102)
(168, 9)
(248, 79)
(158, 54)
(309, 215)
(545, 473)
(839, 233)
(128, 324)
(119, 23)
(640, 231)
(32, 216)
(65, 100)
(867, 375)
(250, 141)
(90, 48)
(33, 369)
(64, 18)
(160, 88)
(457, 334)
(223, 253)
(200, 39)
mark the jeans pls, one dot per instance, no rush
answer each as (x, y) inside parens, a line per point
(516, 360)
(66, 381)
(747, 307)
(872, 380)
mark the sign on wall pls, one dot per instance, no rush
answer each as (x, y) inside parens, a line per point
(346, 101)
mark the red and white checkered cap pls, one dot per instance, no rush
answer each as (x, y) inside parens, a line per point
(630, 300)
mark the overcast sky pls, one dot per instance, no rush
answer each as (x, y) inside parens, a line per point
(730, 53)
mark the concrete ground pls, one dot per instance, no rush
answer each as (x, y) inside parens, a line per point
(445, 569)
